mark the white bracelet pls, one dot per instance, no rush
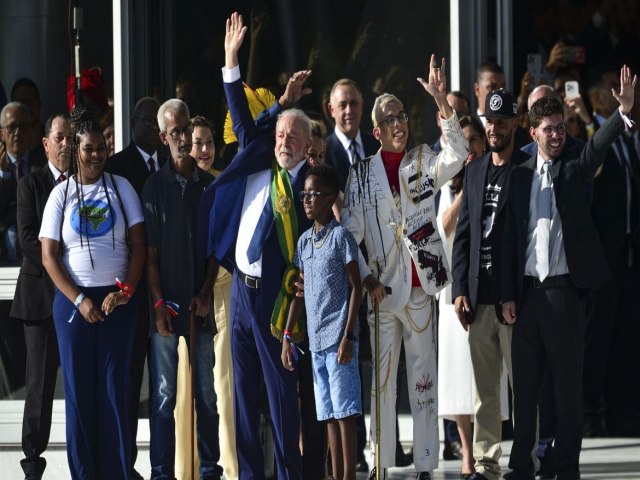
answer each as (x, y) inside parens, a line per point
(79, 300)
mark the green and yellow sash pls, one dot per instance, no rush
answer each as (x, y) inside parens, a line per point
(284, 214)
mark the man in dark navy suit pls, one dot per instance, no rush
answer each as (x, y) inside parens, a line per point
(239, 226)
(144, 154)
(34, 295)
(347, 144)
(609, 347)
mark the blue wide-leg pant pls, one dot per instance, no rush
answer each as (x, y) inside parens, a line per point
(95, 361)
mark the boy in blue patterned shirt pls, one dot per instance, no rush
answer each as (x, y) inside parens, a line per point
(327, 255)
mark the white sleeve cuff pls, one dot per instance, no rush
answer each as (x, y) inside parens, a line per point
(230, 75)
(627, 121)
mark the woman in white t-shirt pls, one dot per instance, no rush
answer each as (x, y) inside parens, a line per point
(92, 233)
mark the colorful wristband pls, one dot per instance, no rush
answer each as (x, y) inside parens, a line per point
(126, 288)
(172, 307)
(294, 348)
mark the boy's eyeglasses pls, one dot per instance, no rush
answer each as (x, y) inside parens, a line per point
(311, 195)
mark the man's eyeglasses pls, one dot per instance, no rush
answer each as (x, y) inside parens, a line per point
(311, 195)
(390, 120)
(148, 120)
(560, 129)
(177, 132)
(12, 127)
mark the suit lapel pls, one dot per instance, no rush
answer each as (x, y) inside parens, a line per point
(477, 196)
(340, 154)
(377, 167)
(528, 168)
(555, 169)
(556, 166)
(504, 193)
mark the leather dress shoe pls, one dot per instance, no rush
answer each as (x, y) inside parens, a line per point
(423, 476)
(516, 475)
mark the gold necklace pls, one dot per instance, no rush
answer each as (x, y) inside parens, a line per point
(383, 385)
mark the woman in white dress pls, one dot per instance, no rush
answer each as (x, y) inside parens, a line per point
(456, 386)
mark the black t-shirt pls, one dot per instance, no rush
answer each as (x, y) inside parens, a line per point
(493, 186)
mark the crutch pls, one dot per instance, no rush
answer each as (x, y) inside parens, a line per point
(376, 310)
(192, 377)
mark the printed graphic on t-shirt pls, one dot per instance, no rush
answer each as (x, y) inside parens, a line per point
(93, 218)
(489, 206)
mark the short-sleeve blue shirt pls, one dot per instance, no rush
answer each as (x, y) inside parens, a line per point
(323, 258)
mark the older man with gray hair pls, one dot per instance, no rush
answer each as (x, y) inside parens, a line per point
(180, 286)
(15, 162)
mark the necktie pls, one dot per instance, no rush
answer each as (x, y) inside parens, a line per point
(353, 151)
(61, 178)
(152, 165)
(543, 227)
(260, 233)
(18, 169)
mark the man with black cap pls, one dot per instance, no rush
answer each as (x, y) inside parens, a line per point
(476, 275)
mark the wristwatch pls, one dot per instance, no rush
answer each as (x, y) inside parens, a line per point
(350, 337)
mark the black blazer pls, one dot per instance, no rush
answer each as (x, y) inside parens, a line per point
(571, 172)
(336, 156)
(466, 244)
(609, 209)
(9, 188)
(34, 291)
(130, 164)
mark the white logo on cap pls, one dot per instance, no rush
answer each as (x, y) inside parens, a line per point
(495, 103)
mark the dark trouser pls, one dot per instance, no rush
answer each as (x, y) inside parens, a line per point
(547, 332)
(546, 408)
(139, 356)
(364, 354)
(96, 362)
(42, 364)
(314, 432)
(253, 350)
(609, 353)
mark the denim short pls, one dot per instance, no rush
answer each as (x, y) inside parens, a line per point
(336, 387)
